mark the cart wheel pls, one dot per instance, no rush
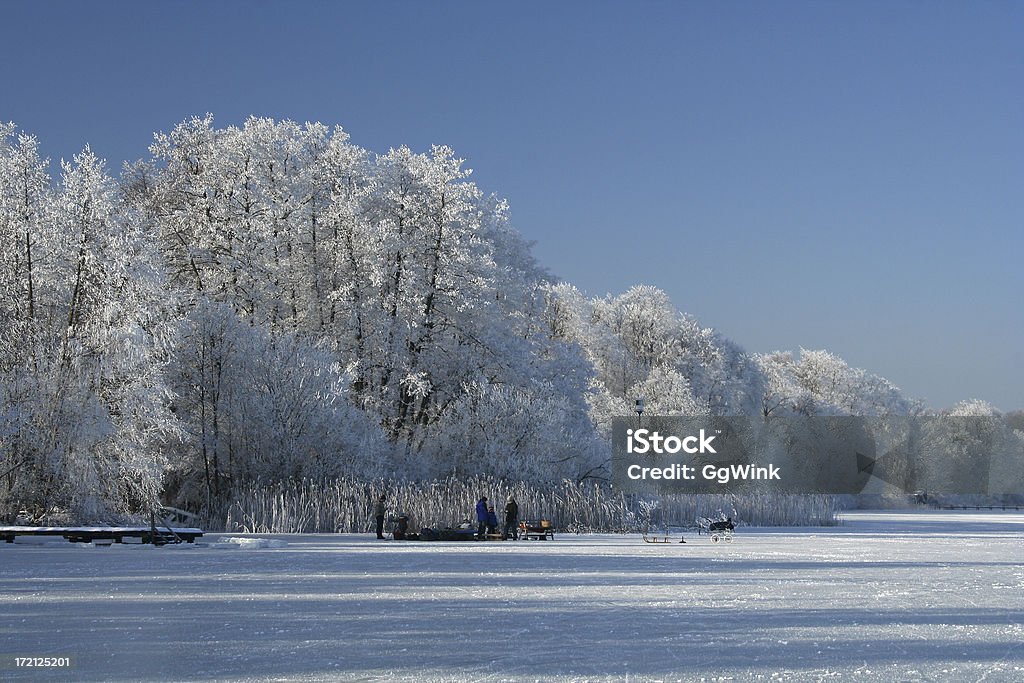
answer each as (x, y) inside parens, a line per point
(714, 538)
(728, 539)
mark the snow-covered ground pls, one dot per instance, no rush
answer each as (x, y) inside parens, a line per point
(930, 596)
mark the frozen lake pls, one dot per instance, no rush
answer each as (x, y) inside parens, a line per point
(929, 596)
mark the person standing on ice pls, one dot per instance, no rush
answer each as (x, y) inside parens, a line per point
(378, 511)
(511, 518)
(481, 517)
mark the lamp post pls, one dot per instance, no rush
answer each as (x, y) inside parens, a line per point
(639, 408)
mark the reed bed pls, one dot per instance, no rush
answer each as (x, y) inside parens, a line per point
(346, 506)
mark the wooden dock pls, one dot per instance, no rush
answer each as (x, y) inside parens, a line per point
(114, 534)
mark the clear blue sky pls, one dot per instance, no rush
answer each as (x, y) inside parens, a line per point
(840, 175)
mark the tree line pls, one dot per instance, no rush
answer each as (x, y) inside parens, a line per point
(267, 303)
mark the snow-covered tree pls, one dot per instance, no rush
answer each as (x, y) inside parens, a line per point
(261, 408)
(507, 432)
(838, 388)
(971, 449)
(90, 407)
(642, 346)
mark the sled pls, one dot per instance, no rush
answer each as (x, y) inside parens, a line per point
(650, 538)
(537, 531)
(447, 534)
(666, 533)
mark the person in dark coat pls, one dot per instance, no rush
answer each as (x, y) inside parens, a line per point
(378, 511)
(481, 517)
(402, 529)
(492, 520)
(511, 518)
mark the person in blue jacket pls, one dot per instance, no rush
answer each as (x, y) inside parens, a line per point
(492, 520)
(481, 517)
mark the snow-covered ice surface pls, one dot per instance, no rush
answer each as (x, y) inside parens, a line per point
(916, 596)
